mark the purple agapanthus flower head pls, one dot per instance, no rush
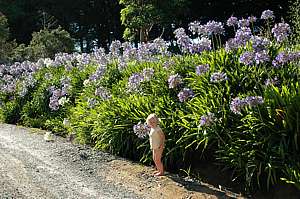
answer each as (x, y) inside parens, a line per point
(281, 59)
(168, 64)
(56, 93)
(174, 81)
(54, 104)
(281, 31)
(98, 74)
(243, 35)
(134, 81)
(260, 43)
(179, 32)
(252, 19)
(294, 56)
(232, 21)
(201, 69)
(254, 100)
(236, 105)
(183, 39)
(213, 27)
(247, 58)
(267, 14)
(218, 77)
(261, 57)
(185, 94)
(207, 120)
(194, 27)
(141, 130)
(203, 44)
(115, 47)
(243, 23)
(231, 45)
(103, 93)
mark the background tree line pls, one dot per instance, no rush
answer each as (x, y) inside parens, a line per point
(95, 23)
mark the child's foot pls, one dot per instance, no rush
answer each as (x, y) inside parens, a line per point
(155, 172)
(159, 174)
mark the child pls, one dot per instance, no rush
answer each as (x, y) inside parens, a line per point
(157, 142)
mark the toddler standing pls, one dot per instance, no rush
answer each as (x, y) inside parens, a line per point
(157, 142)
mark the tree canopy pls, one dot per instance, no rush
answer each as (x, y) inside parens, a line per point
(139, 17)
(95, 23)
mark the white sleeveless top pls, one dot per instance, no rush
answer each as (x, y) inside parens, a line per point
(155, 139)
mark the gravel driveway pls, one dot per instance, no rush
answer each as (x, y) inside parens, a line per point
(33, 168)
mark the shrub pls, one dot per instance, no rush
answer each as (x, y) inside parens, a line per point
(46, 43)
(6, 46)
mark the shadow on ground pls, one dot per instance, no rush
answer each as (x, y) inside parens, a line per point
(216, 181)
(192, 185)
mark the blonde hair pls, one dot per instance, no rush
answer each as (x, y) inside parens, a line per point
(152, 116)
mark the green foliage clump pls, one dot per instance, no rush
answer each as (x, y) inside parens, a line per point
(258, 144)
(294, 18)
(6, 46)
(37, 113)
(33, 109)
(46, 43)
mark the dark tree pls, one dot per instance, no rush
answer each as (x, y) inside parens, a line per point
(95, 23)
(92, 23)
(22, 17)
(221, 10)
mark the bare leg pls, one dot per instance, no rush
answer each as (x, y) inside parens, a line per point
(159, 165)
(154, 159)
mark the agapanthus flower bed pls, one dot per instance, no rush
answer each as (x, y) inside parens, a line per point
(238, 98)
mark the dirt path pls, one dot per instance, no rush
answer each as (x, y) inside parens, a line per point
(33, 168)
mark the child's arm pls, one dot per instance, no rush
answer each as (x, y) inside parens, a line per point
(162, 138)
